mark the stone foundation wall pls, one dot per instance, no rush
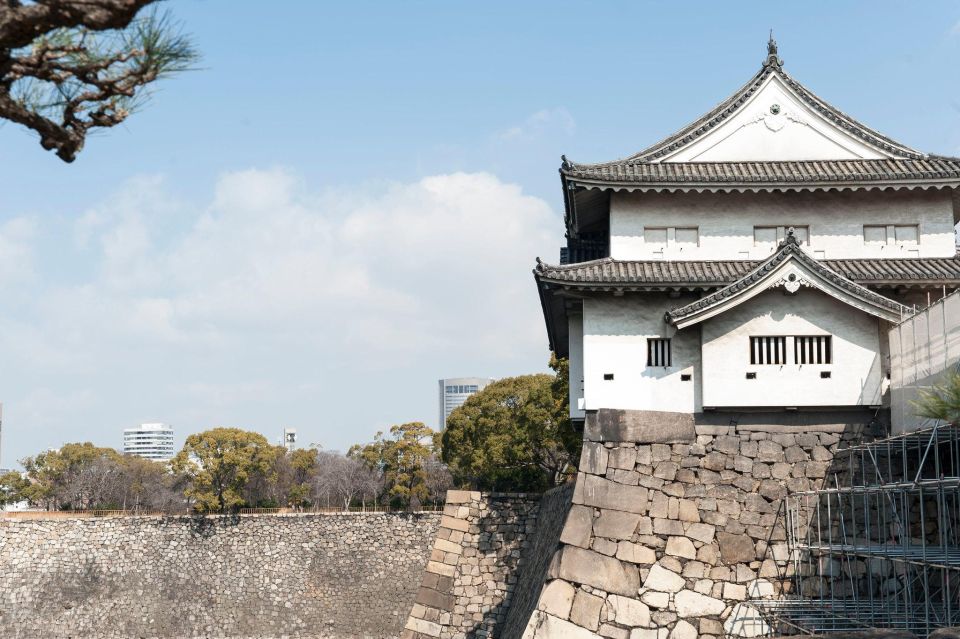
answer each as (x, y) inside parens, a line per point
(674, 524)
(326, 575)
(471, 577)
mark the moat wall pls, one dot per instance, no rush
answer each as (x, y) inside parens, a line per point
(324, 575)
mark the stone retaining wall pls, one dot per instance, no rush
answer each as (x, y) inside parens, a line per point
(674, 523)
(471, 577)
(326, 575)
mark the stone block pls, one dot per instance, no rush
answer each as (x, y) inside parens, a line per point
(624, 457)
(603, 493)
(745, 621)
(663, 580)
(613, 632)
(736, 548)
(635, 553)
(667, 527)
(687, 511)
(586, 610)
(547, 626)
(616, 524)
(645, 427)
(424, 627)
(681, 547)
(434, 599)
(715, 461)
(605, 546)
(454, 524)
(760, 589)
(734, 592)
(683, 630)
(629, 612)
(655, 599)
(665, 470)
(462, 496)
(629, 477)
(592, 568)
(576, 530)
(593, 458)
(557, 598)
(693, 604)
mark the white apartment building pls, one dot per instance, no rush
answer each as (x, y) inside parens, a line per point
(752, 262)
(150, 441)
(455, 391)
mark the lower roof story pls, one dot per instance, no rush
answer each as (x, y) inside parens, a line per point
(802, 350)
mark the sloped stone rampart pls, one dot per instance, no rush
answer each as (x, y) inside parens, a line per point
(668, 539)
(335, 576)
(471, 578)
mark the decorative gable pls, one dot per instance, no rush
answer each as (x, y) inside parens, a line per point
(774, 124)
(789, 269)
(774, 118)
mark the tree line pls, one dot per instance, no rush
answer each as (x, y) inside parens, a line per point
(225, 469)
(515, 435)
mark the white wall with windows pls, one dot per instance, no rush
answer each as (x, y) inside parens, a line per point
(778, 350)
(749, 226)
(623, 368)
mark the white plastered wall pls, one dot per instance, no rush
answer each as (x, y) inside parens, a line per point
(726, 223)
(856, 371)
(615, 332)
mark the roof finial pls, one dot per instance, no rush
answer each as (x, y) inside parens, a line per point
(773, 60)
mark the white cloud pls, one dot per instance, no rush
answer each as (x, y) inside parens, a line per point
(540, 124)
(275, 293)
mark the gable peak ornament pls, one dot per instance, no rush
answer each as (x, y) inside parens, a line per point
(773, 59)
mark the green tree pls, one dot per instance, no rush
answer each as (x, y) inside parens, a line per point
(942, 401)
(12, 487)
(77, 476)
(68, 67)
(219, 463)
(514, 435)
(402, 457)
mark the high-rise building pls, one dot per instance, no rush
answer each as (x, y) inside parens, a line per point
(455, 391)
(150, 441)
(290, 438)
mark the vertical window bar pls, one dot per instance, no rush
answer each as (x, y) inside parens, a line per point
(828, 347)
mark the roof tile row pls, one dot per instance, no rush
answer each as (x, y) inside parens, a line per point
(863, 271)
(638, 171)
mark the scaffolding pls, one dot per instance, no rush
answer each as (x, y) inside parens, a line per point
(878, 546)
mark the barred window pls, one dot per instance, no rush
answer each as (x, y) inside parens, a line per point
(658, 352)
(768, 350)
(813, 349)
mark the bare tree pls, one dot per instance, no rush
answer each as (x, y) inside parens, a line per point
(70, 66)
(439, 480)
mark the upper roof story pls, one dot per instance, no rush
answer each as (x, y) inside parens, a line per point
(772, 135)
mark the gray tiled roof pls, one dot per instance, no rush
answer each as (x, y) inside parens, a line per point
(610, 272)
(646, 168)
(687, 174)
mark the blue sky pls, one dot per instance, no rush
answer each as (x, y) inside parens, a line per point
(343, 203)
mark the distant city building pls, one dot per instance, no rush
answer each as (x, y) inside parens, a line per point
(290, 438)
(150, 441)
(455, 391)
